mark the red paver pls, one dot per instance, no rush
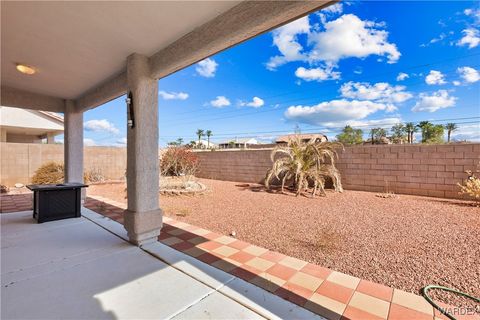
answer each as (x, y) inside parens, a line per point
(281, 271)
(335, 291)
(316, 271)
(375, 290)
(398, 312)
(352, 313)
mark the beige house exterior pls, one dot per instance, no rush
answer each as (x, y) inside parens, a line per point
(29, 126)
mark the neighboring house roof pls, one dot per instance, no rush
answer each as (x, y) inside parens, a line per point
(240, 141)
(24, 121)
(287, 138)
(205, 143)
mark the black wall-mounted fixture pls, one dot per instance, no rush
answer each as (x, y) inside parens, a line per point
(131, 115)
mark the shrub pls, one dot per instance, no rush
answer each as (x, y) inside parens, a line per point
(471, 186)
(53, 173)
(178, 161)
(49, 173)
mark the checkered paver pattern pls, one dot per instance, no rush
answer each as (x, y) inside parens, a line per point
(15, 202)
(329, 293)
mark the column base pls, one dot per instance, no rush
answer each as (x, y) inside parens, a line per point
(143, 227)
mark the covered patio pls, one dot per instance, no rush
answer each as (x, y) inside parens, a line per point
(80, 55)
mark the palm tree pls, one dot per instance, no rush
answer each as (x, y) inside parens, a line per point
(411, 129)
(450, 128)
(179, 141)
(200, 134)
(209, 134)
(424, 126)
(372, 134)
(304, 162)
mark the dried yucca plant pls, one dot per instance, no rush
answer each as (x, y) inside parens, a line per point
(305, 163)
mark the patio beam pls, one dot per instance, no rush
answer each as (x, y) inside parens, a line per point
(143, 217)
(107, 91)
(244, 21)
(13, 97)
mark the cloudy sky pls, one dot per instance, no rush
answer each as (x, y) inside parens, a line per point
(360, 63)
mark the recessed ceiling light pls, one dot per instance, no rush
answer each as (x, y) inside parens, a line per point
(25, 69)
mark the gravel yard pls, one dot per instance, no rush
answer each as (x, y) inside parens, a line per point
(404, 242)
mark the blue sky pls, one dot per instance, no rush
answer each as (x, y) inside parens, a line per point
(367, 64)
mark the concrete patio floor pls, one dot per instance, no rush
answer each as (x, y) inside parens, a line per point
(84, 268)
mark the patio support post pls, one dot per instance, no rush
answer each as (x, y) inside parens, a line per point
(143, 218)
(73, 144)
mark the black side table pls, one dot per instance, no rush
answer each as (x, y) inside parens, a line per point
(56, 201)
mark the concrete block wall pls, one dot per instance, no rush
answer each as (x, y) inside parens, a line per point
(429, 170)
(19, 161)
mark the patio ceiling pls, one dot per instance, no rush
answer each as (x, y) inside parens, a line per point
(80, 48)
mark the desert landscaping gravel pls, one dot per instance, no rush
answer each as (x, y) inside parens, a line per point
(405, 242)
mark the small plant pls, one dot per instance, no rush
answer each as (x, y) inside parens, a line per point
(387, 194)
(471, 186)
(101, 207)
(49, 173)
(178, 161)
(94, 175)
(3, 188)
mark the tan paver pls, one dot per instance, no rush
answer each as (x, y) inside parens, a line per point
(272, 278)
(224, 265)
(305, 280)
(171, 241)
(343, 279)
(293, 263)
(197, 240)
(260, 264)
(254, 250)
(225, 240)
(370, 304)
(201, 232)
(412, 301)
(225, 251)
(330, 304)
(176, 232)
(194, 252)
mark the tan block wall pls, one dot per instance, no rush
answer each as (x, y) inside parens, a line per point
(430, 170)
(20, 160)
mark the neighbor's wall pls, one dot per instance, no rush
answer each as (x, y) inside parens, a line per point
(20, 160)
(431, 170)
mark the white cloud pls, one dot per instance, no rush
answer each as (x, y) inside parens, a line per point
(436, 101)
(207, 68)
(122, 141)
(468, 74)
(335, 111)
(101, 126)
(468, 132)
(345, 37)
(380, 92)
(255, 103)
(456, 83)
(435, 77)
(402, 76)
(475, 13)
(317, 74)
(89, 142)
(471, 38)
(220, 102)
(384, 123)
(173, 95)
(335, 8)
(285, 39)
(349, 36)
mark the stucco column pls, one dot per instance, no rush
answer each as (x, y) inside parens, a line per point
(73, 143)
(143, 218)
(50, 138)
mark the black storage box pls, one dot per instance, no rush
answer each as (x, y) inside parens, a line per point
(56, 201)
